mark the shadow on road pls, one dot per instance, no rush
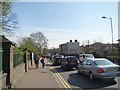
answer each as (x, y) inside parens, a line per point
(84, 82)
(60, 70)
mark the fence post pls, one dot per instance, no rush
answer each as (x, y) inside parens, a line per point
(31, 58)
(11, 67)
(26, 60)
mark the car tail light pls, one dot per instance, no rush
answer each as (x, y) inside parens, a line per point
(101, 70)
(66, 62)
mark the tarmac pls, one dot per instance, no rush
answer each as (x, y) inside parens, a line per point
(38, 78)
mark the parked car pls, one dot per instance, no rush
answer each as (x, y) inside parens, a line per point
(69, 62)
(83, 56)
(56, 59)
(99, 68)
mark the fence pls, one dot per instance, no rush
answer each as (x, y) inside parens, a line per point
(18, 58)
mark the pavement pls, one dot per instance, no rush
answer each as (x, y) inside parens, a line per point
(38, 78)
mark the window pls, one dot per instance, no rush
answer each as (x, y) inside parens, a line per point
(88, 63)
(85, 62)
(103, 62)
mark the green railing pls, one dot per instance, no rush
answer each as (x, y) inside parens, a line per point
(18, 58)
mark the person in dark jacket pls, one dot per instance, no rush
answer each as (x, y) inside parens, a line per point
(43, 62)
(36, 59)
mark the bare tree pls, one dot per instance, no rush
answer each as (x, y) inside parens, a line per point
(39, 39)
(8, 21)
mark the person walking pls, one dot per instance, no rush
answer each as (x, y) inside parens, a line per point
(43, 62)
(36, 58)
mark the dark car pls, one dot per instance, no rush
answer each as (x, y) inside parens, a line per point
(56, 59)
(69, 62)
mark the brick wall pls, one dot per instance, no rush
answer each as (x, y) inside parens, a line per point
(18, 73)
(3, 80)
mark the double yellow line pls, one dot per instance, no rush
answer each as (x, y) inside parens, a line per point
(64, 83)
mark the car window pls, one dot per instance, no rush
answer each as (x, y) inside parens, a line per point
(103, 62)
(88, 63)
(72, 59)
(84, 62)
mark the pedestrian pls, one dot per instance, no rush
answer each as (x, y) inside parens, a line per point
(83, 56)
(43, 62)
(36, 59)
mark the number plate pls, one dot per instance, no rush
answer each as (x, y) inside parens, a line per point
(111, 70)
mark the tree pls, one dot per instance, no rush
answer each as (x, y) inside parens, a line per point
(8, 20)
(37, 42)
(39, 39)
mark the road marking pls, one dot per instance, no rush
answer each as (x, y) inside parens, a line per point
(63, 79)
(64, 83)
(55, 74)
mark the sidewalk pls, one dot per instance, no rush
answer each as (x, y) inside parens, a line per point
(38, 78)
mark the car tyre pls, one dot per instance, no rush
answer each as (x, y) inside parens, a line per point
(91, 76)
(61, 66)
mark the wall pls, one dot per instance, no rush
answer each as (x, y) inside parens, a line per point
(73, 47)
(70, 47)
(18, 73)
(3, 80)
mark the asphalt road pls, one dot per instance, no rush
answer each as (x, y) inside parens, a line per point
(76, 80)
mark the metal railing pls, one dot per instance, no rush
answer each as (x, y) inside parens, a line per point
(18, 58)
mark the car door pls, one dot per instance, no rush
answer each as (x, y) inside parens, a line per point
(82, 66)
(88, 67)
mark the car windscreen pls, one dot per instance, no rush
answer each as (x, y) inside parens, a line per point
(103, 62)
(89, 56)
(72, 59)
(58, 57)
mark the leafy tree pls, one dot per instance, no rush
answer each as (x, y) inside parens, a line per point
(8, 19)
(37, 42)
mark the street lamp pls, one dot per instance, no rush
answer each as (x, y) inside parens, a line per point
(111, 29)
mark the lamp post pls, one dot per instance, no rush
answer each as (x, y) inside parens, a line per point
(111, 30)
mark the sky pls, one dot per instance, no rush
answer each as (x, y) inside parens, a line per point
(64, 21)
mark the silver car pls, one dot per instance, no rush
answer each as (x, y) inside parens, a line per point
(84, 56)
(99, 68)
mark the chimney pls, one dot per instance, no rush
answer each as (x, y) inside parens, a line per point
(70, 40)
(75, 40)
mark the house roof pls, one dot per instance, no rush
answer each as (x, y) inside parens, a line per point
(4, 39)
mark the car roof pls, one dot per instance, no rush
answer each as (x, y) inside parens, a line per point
(94, 59)
(85, 54)
(70, 56)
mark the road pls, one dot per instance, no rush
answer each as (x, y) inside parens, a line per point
(75, 80)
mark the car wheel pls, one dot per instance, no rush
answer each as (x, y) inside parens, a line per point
(61, 66)
(91, 76)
